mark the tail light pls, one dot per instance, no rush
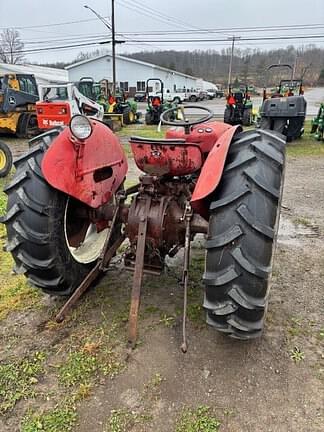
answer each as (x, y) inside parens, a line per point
(63, 111)
(39, 110)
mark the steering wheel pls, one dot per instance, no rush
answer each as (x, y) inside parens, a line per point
(185, 123)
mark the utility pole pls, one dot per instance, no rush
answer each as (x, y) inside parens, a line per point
(113, 45)
(233, 38)
(113, 39)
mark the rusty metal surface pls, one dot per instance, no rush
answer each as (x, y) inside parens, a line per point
(172, 159)
(91, 170)
(138, 275)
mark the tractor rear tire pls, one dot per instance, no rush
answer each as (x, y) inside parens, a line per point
(227, 115)
(36, 229)
(246, 117)
(148, 119)
(295, 128)
(243, 226)
(126, 116)
(5, 159)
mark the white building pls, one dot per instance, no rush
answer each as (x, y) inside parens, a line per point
(131, 74)
(43, 75)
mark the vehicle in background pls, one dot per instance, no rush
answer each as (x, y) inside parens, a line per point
(18, 96)
(284, 111)
(156, 102)
(211, 94)
(140, 97)
(219, 93)
(60, 102)
(239, 107)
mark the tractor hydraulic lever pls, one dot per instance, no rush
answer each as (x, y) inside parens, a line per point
(187, 216)
(105, 257)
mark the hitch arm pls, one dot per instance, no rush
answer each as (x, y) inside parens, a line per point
(138, 276)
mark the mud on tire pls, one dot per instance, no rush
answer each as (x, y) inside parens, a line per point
(35, 227)
(243, 225)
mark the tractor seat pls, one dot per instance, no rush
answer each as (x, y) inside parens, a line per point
(157, 141)
(159, 157)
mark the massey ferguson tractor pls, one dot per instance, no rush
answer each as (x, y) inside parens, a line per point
(68, 212)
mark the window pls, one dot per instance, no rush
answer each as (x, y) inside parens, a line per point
(27, 85)
(124, 85)
(140, 86)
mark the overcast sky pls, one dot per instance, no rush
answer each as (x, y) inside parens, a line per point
(132, 16)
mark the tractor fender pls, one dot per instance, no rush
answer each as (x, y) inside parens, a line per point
(212, 171)
(90, 170)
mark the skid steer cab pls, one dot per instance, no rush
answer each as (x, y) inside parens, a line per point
(204, 177)
(58, 103)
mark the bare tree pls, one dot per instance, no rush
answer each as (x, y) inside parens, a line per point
(11, 47)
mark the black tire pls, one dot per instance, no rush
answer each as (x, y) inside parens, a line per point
(243, 225)
(35, 227)
(247, 116)
(5, 159)
(126, 118)
(228, 115)
(295, 128)
(177, 100)
(148, 118)
(193, 98)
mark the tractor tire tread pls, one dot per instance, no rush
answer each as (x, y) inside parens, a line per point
(244, 216)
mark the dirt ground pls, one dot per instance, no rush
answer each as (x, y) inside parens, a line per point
(274, 384)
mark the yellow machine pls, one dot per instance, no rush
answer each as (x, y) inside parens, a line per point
(18, 96)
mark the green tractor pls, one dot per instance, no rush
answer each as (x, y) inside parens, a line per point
(318, 124)
(239, 107)
(156, 105)
(120, 104)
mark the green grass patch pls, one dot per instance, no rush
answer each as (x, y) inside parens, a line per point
(198, 420)
(306, 145)
(84, 366)
(15, 293)
(296, 354)
(141, 130)
(124, 420)
(17, 380)
(60, 419)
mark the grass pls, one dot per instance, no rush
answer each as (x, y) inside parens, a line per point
(306, 146)
(83, 367)
(141, 130)
(123, 420)
(198, 420)
(18, 378)
(297, 355)
(303, 221)
(60, 419)
(15, 293)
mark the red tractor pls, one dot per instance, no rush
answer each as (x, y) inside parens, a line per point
(68, 212)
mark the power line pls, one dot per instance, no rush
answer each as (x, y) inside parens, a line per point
(51, 25)
(224, 40)
(232, 29)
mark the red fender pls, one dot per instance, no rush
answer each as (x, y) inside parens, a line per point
(91, 170)
(212, 171)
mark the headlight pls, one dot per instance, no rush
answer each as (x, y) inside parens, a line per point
(80, 127)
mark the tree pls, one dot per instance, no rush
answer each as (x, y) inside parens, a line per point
(11, 47)
(320, 80)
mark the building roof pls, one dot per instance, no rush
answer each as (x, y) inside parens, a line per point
(40, 72)
(131, 60)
